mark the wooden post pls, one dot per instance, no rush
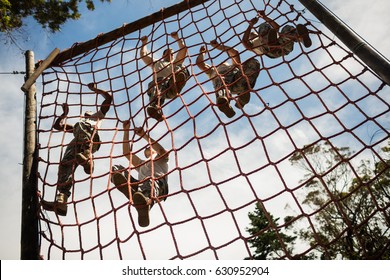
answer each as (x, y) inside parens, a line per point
(356, 44)
(29, 234)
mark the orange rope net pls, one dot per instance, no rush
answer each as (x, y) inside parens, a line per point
(220, 168)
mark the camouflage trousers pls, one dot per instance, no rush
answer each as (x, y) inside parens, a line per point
(237, 81)
(160, 187)
(81, 143)
(284, 44)
(165, 88)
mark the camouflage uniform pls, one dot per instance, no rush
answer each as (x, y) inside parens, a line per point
(283, 46)
(235, 79)
(163, 86)
(160, 188)
(86, 141)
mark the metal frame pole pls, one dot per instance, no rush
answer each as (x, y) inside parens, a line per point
(355, 43)
(29, 234)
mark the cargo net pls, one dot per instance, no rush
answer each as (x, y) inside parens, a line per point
(300, 172)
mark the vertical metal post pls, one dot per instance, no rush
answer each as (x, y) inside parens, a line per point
(356, 44)
(29, 234)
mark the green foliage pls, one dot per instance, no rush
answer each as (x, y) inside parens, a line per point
(50, 14)
(268, 241)
(351, 204)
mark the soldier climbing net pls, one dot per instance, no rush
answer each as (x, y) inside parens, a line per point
(220, 168)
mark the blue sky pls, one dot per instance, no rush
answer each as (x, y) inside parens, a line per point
(371, 25)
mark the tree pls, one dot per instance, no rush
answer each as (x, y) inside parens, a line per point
(50, 14)
(267, 240)
(351, 205)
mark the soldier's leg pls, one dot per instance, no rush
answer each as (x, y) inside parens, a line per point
(177, 83)
(120, 178)
(66, 170)
(83, 135)
(290, 34)
(155, 102)
(142, 203)
(245, 83)
(222, 99)
(303, 34)
(144, 198)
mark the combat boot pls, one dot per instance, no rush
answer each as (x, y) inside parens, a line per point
(85, 162)
(224, 106)
(303, 34)
(142, 206)
(59, 206)
(155, 112)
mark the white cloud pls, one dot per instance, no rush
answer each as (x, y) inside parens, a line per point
(11, 143)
